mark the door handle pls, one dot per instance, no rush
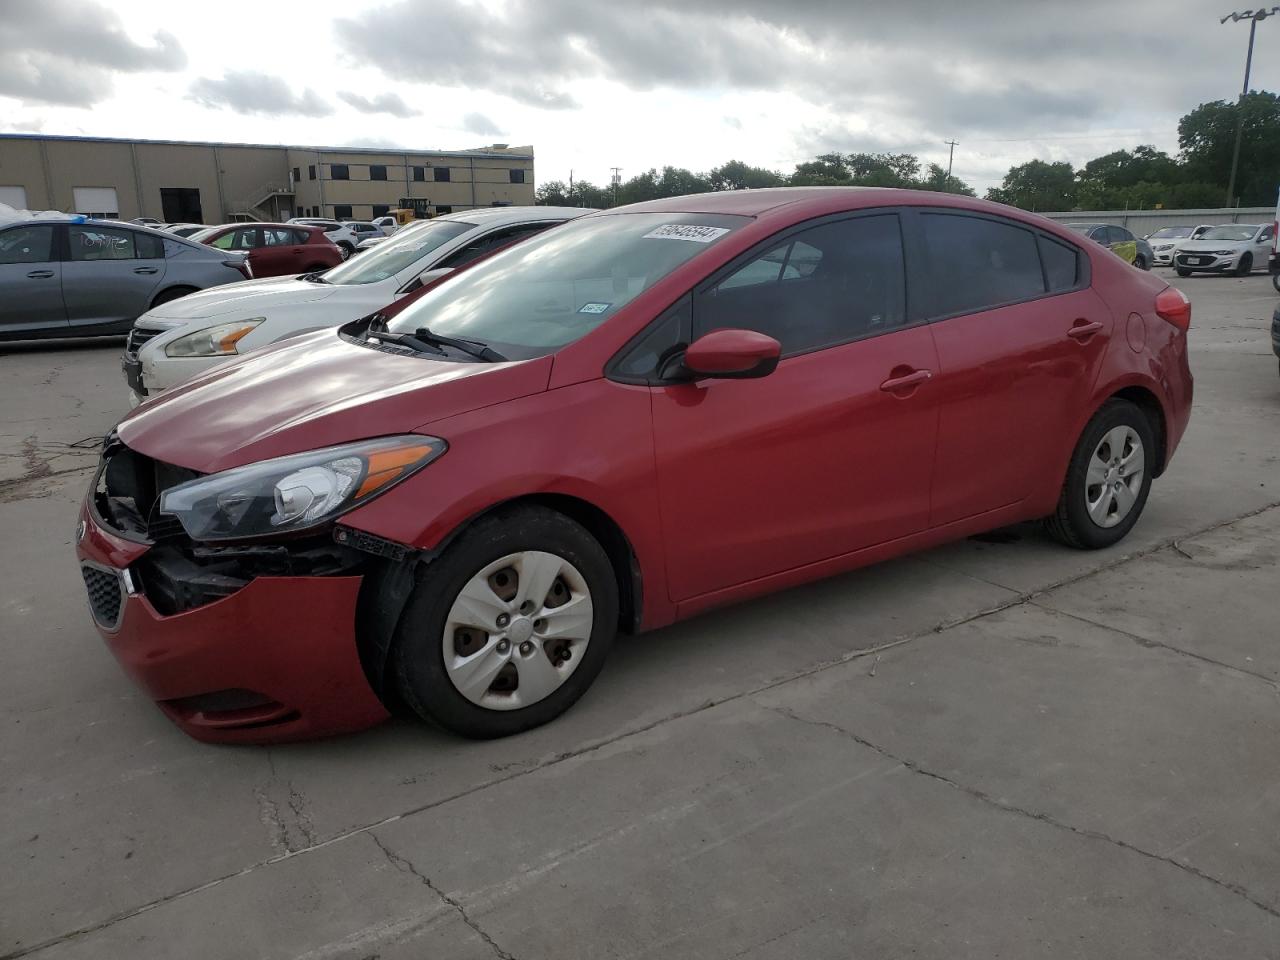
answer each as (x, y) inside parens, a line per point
(40, 274)
(145, 270)
(907, 381)
(1084, 329)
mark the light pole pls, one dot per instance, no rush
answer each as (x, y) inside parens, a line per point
(1253, 16)
(950, 157)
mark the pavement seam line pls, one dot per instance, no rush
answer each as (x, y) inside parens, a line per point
(1010, 602)
(404, 865)
(982, 796)
(1160, 644)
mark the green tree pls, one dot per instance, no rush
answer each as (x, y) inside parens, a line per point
(936, 178)
(671, 182)
(556, 193)
(1123, 179)
(736, 175)
(1037, 185)
(1207, 137)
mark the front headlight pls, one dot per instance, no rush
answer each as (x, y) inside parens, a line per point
(219, 341)
(297, 492)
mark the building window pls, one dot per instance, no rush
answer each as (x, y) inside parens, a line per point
(98, 202)
(517, 176)
(377, 171)
(380, 210)
(440, 211)
(15, 197)
(419, 173)
(442, 174)
(339, 171)
(297, 174)
(311, 171)
(342, 211)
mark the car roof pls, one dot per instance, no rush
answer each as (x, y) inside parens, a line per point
(492, 216)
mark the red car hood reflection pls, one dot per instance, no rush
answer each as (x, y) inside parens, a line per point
(315, 391)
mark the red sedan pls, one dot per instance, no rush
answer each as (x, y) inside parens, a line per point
(275, 249)
(636, 416)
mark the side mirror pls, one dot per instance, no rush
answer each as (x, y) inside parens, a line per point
(732, 355)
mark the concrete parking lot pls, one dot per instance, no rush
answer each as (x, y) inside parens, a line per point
(1047, 753)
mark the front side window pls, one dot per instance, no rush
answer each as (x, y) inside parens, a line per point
(533, 298)
(100, 243)
(441, 174)
(407, 247)
(26, 245)
(1118, 235)
(977, 264)
(822, 286)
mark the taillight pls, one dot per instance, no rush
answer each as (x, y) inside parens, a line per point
(1172, 305)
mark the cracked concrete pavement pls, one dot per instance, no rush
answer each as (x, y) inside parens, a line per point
(1045, 753)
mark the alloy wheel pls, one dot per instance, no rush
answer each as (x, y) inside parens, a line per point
(517, 630)
(1114, 477)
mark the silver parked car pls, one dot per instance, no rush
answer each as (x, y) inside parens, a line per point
(61, 278)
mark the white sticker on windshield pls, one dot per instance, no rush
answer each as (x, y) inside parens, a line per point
(686, 231)
(594, 307)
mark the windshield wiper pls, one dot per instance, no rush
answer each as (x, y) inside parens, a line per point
(473, 348)
(313, 277)
(406, 340)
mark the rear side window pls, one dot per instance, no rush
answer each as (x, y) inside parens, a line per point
(978, 263)
(1118, 235)
(150, 247)
(1061, 264)
(301, 236)
(26, 245)
(100, 243)
(818, 288)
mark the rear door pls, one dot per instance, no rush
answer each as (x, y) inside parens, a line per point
(110, 275)
(279, 255)
(30, 281)
(830, 453)
(1020, 337)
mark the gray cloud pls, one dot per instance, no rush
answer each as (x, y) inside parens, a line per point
(480, 125)
(65, 53)
(247, 91)
(382, 103)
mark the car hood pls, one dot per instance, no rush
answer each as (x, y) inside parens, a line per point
(315, 391)
(239, 298)
(1191, 246)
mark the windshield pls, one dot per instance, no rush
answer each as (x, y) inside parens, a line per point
(1239, 231)
(1080, 227)
(1170, 233)
(559, 286)
(395, 254)
(200, 236)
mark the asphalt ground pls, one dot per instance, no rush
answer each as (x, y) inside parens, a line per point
(997, 748)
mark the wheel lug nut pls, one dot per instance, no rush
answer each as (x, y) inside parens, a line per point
(504, 646)
(526, 648)
(503, 620)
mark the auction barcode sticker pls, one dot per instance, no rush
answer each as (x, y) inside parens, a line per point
(686, 231)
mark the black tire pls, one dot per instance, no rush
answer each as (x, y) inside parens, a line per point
(347, 249)
(1140, 262)
(1071, 524)
(418, 657)
(1182, 271)
(1245, 266)
(1275, 281)
(173, 293)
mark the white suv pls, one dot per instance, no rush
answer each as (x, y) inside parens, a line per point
(340, 233)
(180, 339)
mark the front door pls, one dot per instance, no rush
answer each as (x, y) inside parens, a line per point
(830, 453)
(1020, 337)
(111, 275)
(30, 281)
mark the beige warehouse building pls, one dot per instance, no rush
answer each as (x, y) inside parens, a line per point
(175, 181)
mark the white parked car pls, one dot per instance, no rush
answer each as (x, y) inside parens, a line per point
(182, 338)
(1166, 241)
(365, 231)
(340, 233)
(388, 225)
(1231, 247)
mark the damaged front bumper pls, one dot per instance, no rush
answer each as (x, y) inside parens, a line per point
(238, 644)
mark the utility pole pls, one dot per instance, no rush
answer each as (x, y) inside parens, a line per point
(1253, 17)
(950, 157)
(617, 179)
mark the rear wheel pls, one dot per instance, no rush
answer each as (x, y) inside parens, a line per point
(173, 293)
(1141, 263)
(1275, 281)
(1245, 266)
(346, 248)
(1108, 479)
(509, 626)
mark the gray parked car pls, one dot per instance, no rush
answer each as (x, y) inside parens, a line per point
(61, 278)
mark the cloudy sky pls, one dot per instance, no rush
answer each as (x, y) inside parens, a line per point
(593, 84)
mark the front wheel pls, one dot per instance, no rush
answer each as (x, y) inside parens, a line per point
(1275, 281)
(1140, 262)
(347, 249)
(1182, 271)
(1108, 479)
(1245, 266)
(509, 626)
